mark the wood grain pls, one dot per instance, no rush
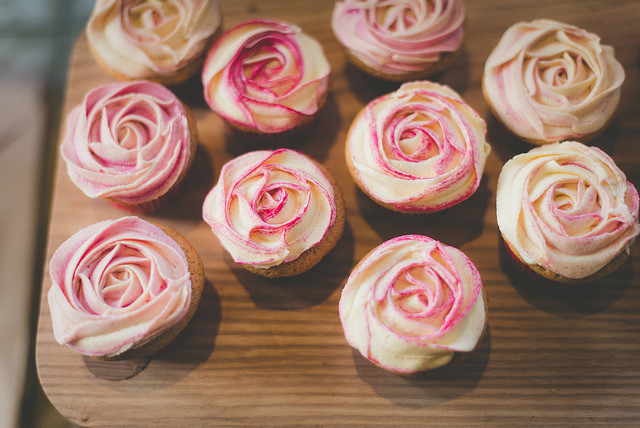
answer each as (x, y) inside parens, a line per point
(272, 352)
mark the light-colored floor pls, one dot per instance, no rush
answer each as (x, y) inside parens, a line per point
(35, 40)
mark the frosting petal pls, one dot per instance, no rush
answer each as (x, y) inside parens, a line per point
(420, 148)
(411, 303)
(115, 285)
(141, 39)
(265, 75)
(567, 207)
(399, 36)
(268, 207)
(549, 81)
(128, 140)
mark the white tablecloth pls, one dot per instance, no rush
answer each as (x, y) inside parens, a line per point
(22, 124)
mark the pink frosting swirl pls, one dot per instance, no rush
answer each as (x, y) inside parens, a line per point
(268, 207)
(115, 285)
(142, 39)
(566, 207)
(129, 141)
(420, 148)
(399, 36)
(548, 81)
(265, 75)
(411, 303)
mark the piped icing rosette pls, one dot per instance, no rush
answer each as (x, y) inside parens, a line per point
(117, 285)
(418, 149)
(548, 81)
(397, 39)
(411, 303)
(158, 40)
(567, 209)
(270, 208)
(128, 141)
(265, 76)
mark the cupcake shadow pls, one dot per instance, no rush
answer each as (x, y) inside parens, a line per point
(191, 92)
(456, 75)
(504, 143)
(321, 134)
(314, 138)
(609, 137)
(429, 388)
(190, 349)
(367, 87)
(453, 226)
(566, 300)
(196, 184)
(301, 291)
(196, 342)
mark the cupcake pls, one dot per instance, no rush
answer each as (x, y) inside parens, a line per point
(265, 77)
(277, 213)
(160, 41)
(123, 288)
(399, 40)
(547, 81)
(566, 212)
(412, 303)
(418, 149)
(130, 143)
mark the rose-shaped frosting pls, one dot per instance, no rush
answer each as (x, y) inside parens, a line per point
(265, 75)
(115, 285)
(268, 207)
(399, 36)
(128, 141)
(411, 303)
(566, 207)
(142, 39)
(421, 148)
(548, 81)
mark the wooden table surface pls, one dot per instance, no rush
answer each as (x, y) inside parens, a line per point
(272, 352)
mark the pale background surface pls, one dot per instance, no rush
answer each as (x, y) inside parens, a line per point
(35, 40)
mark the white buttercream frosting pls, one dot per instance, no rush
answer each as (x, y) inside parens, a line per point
(399, 37)
(566, 207)
(142, 39)
(411, 303)
(268, 207)
(419, 149)
(129, 141)
(116, 285)
(548, 81)
(264, 75)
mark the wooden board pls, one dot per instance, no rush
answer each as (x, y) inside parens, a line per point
(272, 351)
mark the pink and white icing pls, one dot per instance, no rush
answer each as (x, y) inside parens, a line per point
(420, 148)
(567, 207)
(264, 75)
(548, 81)
(411, 303)
(115, 285)
(268, 207)
(399, 37)
(142, 39)
(129, 141)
